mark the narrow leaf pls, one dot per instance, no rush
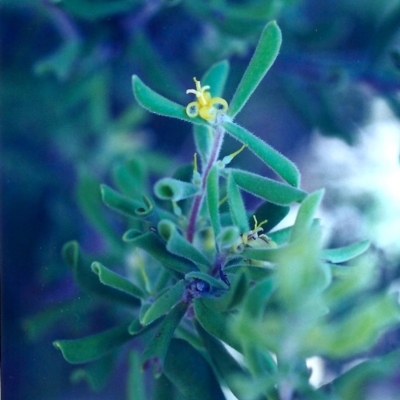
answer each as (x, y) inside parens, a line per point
(88, 281)
(305, 214)
(155, 351)
(95, 346)
(264, 56)
(186, 368)
(206, 278)
(215, 323)
(267, 189)
(225, 364)
(164, 303)
(97, 373)
(203, 139)
(136, 384)
(346, 253)
(216, 77)
(236, 205)
(110, 278)
(273, 158)
(118, 202)
(156, 248)
(179, 246)
(158, 104)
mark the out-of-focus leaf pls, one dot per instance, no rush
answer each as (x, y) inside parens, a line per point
(136, 387)
(156, 248)
(129, 177)
(275, 160)
(354, 382)
(305, 214)
(228, 237)
(61, 61)
(190, 373)
(156, 349)
(90, 201)
(357, 331)
(103, 9)
(110, 278)
(88, 281)
(150, 63)
(346, 253)
(215, 323)
(164, 303)
(266, 188)
(225, 364)
(216, 77)
(37, 325)
(264, 56)
(97, 373)
(93, 347)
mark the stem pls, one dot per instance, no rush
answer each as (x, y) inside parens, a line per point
(198, 200)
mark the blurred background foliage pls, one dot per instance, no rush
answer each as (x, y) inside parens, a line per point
(69, 121)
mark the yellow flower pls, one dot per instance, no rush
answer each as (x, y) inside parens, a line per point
(206, 106)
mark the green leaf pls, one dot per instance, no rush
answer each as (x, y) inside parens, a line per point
(375, 371)
(190, 373)
(358, 330)
(164, 303)
(130, 177)
(136, 381)
(273, 213)
(90, 202)
(174, 189)
(228, 237)
(118, 202)
(93, 347)
(216, 77)
(257, 298)
(88, 281)
(267, 189)
(264, 56)
(343, 254)
(156, 349)
(207, 278)
(305, 214)
(231, 298)
(110, 278)
(61, 62)
(155, 247)
(97, 373)
(37, 325)
(273, 158)
(213, 199)
(178, 245)
(158, 104)
(215, 323)
(226, 365)
(203, 138)
(236, 205)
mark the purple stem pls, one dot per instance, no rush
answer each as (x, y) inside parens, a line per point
(198, 200)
